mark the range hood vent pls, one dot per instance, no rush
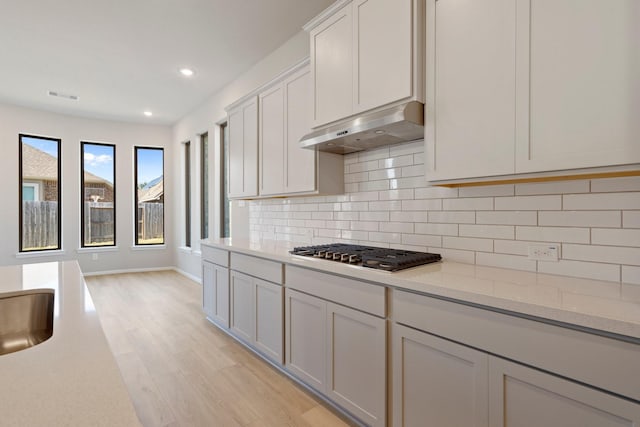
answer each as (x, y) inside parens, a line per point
(391, 126)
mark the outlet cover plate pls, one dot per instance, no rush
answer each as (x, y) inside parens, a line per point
(544, 252)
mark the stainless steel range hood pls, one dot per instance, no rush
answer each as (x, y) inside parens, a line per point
(397, 124)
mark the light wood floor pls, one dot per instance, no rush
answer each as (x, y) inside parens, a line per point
(181, 370)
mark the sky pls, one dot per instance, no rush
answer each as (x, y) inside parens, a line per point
(46, 145)
(98, 160)
(150, 163)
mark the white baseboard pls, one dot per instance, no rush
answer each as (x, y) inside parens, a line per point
(188, 275)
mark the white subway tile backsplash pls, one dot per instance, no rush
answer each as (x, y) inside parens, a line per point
(437, 229)
(364, 197)
(505, 261)
(553, 187)
(403, 194)
(580, 218)
(422, 205)
(609, 201)
(453, 217)
(631, 274)
(587, 270)
(422, 240)
(436, 193)
(374, 216)
(397, 227)
(487, 231)
(607, 254)
(468, 243)
(553, 234)
(529, 203)
(396, 162)
(487, 191)
(631, 219)
(412, 182)
(470, 204)
(388, 205)
(507, 217)
(374, 185)
(385, 174)
(615, 237)
(387, 202)
(401, 216)
(631, 183)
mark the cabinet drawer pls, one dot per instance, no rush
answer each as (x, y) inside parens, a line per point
(352, 293)
(215, 255)
(258, 267)
(602, 362)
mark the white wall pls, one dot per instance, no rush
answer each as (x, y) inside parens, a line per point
(387, 203)
(72, 130)
(205, 119)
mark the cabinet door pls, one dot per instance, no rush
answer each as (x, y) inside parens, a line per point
(522, 396)
(208, 289)
(579, 85)
(470, 108)
(331, 62)
(301, 163)
(272, 140)
(383, 40)
(242, 306)
(437, 382)
(305, 338)
(356, 361)
(269, 326)
(243, 150)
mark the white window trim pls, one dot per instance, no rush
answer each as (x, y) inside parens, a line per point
(90, 249)
(37, 254)
(148, 247)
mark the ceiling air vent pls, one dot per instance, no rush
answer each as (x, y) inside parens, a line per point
(63, 95)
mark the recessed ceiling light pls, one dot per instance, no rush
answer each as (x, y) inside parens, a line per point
(187, 72)
(148, 113)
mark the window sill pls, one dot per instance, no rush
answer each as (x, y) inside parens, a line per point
(148, 247)
(38, 254)
(97, 249)
(185, 250)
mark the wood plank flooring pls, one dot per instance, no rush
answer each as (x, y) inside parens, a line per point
(180, 370)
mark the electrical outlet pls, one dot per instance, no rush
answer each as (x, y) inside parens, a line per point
(94, 256)
(543, 252)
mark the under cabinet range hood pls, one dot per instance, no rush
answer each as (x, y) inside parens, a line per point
(401, 123)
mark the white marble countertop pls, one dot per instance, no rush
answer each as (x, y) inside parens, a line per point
(609, 307)
(71, 379)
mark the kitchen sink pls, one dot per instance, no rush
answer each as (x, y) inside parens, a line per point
(26, 319)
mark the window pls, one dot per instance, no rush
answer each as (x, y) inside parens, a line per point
(40, 217)
(149, 195)
(98, 204)
(187, 194)
(204, 185)
(224, 171)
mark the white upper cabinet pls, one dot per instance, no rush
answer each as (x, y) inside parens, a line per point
(365, 54)
(271, 135)
(531, 87)
(332, 56)
(580, 91)
(243, 149)
(470, 108)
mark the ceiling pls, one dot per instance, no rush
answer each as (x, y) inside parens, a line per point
(121, 57)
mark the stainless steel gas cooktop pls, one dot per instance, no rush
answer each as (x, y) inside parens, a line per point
(368, 256)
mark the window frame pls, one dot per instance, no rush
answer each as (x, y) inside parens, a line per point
(135, 197)
(225, 204)
(82, 195)
(58, 142)
(187, 193)
(204, 185)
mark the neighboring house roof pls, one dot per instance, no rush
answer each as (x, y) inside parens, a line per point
(38, 165)
(152, 192)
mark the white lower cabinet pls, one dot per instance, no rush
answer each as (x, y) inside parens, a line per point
(340, 352)
(215, 293)
(525, 397)
(256, 314)
(437, 382)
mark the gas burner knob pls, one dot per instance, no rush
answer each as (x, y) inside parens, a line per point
(337, 256)
(354, 259)
(328, 255)
(320, 254)
(344, 258)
